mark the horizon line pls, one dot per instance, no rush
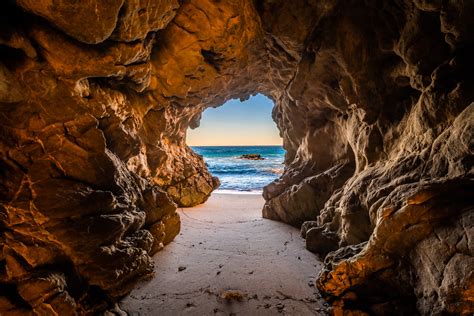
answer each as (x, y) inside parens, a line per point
(234, 145)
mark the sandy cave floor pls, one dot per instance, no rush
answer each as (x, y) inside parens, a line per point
(227, 260)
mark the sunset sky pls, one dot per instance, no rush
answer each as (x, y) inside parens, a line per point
(237, 123)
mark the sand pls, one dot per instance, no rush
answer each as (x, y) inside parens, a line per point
(227, 260)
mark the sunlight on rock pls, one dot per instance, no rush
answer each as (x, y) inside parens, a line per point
(373, 101)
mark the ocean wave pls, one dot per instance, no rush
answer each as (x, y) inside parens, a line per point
(242, 175)
(275, 170)
(269, 172)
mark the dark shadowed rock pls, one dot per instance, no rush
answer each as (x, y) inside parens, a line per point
(373, 99)
(252, 157)
(320, 241)
(307, 226)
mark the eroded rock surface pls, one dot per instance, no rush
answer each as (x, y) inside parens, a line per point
(374, 101)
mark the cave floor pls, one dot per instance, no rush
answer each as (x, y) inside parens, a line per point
(227, 260)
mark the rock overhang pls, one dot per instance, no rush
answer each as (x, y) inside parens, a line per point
(373, 102)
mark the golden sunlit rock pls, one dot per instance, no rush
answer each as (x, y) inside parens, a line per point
(374, 101)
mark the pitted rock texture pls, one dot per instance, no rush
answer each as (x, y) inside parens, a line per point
(373, 99)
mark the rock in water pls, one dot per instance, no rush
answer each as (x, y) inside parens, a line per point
(252, 157)
(374, 101)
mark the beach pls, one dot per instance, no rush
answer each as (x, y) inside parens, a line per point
(228, 260)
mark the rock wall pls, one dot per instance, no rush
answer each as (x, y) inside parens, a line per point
(374, 101)
(378, 126)
(378, 123)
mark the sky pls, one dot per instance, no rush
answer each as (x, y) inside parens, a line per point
(237, 124)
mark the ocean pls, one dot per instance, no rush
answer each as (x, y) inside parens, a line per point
(242, 175)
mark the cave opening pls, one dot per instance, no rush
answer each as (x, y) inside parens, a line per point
(240, 144)
(226, 251)
(376, 112)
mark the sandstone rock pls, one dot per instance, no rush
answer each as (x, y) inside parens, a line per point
(92, 22)
(373, 100)
(302, 201)
(46, 294)
(9, 89)
(320, 241)
(307, 226)
(164, 231)
(140, 17)
(442, 263)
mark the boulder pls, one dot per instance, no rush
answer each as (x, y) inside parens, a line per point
(252, 157)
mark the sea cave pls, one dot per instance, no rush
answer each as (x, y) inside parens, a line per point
(374, 101)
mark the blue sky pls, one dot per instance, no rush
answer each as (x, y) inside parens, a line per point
(237, 123)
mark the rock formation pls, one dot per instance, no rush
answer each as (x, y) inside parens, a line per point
(374, 101)
(252, 157)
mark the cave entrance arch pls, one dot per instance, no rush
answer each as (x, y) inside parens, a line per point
(374, 100)
(240, 143)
